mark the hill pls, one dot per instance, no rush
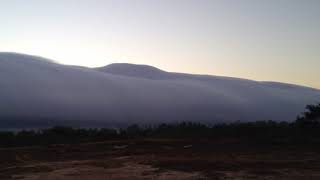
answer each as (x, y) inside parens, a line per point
(37, 92)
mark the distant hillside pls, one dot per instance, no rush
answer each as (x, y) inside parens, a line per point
(36, 91)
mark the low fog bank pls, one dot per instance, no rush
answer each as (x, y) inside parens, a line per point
(38, 92)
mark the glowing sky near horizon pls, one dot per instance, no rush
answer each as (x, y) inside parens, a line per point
(276, 40)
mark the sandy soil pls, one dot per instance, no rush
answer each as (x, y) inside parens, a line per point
(160, 159)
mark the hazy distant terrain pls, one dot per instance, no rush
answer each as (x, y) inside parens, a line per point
(37, 92)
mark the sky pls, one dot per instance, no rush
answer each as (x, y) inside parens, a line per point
(265, 40)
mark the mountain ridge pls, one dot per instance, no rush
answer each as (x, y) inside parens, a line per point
(55, 93)
(118, 68)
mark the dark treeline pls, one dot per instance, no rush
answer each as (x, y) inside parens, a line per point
(306, 129)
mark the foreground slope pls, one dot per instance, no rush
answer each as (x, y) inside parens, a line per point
(37, 92)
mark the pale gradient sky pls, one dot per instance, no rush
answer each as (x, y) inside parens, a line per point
(276, 40)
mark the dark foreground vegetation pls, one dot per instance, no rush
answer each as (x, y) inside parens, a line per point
(306, 129)
(258, 150)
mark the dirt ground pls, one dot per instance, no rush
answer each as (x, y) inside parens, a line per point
(161, 159)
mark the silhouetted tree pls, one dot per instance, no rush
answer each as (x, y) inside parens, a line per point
(310, 118)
